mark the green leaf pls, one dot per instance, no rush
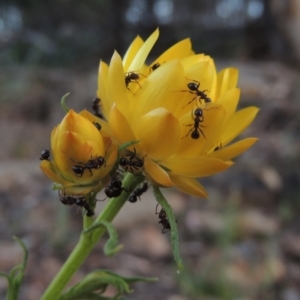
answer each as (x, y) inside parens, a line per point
(63, 103)
(16, 275)
(111, 247)
(173, 224)
(96, 283)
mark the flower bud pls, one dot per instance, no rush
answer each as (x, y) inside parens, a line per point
(81, 156)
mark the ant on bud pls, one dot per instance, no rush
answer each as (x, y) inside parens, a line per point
(45, 155)
(78, 200)
(95, 163)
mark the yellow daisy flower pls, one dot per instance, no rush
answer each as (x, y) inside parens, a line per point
(82, 153)
(182, 112)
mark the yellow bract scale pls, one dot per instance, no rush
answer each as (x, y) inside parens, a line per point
(161, 89)
(131, 52)
(189, 186)
(159, 133)
(238, 123)
(178, 51)
(142, 54)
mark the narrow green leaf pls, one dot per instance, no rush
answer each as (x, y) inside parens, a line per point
(173, 224)
(127, 144)
(111, 247)
(63, 103)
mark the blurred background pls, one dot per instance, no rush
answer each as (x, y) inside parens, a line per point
(244, 242)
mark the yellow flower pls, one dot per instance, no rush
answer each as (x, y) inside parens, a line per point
(179, 108)
(81, 156)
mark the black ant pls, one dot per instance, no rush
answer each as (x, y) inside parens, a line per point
(196, 130)
(79, 201)
(194, 89)
(96, 108)
(114, 188)
(155, 66)
(133, 163)
(162, 215)
(138, 192)
(45, 155)
(132, 77)
(97, 125)
(95, 163)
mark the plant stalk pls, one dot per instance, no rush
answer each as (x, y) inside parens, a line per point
(88, 241)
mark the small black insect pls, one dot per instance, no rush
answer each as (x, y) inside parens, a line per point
(45, 155)
(131, 163)
(155, 66)
(77, 200)
(163, 219)
(193, 88)
(114, 188)
(131, 77)
(196, 129)
(96, 108)
(97, 125)
(138, 192)
(95, 163)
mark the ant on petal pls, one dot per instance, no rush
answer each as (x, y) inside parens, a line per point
(193, 88)
(196, 129)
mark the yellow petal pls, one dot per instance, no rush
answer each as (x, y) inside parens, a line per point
(159, 133)
(75, 123)
(106, 102)
(229, 100)
(143, 52)
(189, 186)
(131, 52)
(120, 126)
(116, 84)
(178, 51)
(213, 116)
(109, 163)
(157, 174)
(74, 150)
(227, 79)
(47, 167)
(161, 89)
(238, 123)
(93, 119)
(233, 150)
(195, 167)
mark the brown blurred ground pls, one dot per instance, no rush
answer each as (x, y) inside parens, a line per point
(243, 243)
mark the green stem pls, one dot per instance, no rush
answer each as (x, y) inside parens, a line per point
(88, 241)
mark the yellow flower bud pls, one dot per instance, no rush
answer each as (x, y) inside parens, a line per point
(81, 156)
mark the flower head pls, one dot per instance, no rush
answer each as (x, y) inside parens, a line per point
(81, 156)
(179, 108)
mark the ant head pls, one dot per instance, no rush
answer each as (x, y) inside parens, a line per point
(78, 170)
(198, 112)
(123, 161)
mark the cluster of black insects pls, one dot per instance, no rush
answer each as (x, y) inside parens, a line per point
(77, 200)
